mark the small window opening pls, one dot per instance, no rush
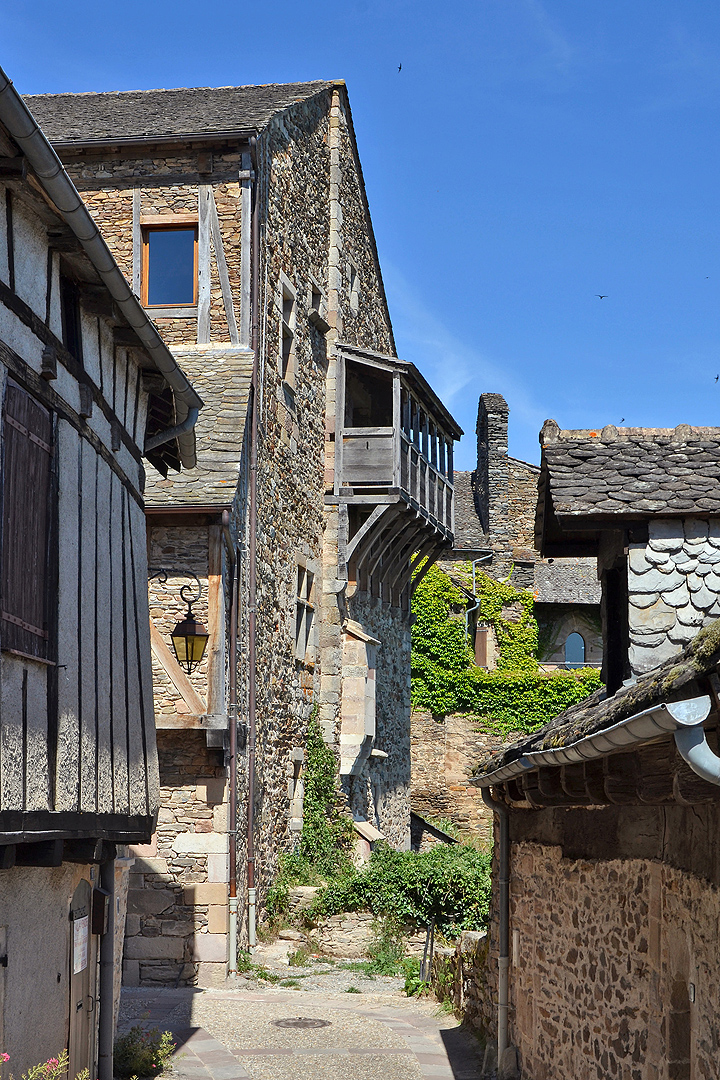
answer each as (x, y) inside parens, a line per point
(70, 314)
(287, 334)
(304, 611)
(354, 291)
(433, 446)
(368, 397)
(575, 651)
(170, 267)
(441, 456)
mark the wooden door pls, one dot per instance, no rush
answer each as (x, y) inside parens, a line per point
(83, 1016)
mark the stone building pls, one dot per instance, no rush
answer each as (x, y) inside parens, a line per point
(495, 508)
(78, 765)
(324, 477)
(607, 818)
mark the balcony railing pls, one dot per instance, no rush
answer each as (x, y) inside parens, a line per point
(410, 458)
(393, 468)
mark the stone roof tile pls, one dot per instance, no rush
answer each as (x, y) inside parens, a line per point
(629, 470)
(128, 114)
(221, 376)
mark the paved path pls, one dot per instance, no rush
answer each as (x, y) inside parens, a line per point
(232, 1035)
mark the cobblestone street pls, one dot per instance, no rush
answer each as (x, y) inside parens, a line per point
(235, 1035)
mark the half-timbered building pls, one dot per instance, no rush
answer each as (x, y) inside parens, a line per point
(325, 477)
(78, 764)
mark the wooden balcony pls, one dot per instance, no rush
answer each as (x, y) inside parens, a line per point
(393, 469)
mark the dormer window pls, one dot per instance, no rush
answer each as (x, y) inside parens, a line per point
(169, 276)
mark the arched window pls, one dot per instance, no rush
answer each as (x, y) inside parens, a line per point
(575, 651)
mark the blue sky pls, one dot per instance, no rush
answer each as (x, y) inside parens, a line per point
(528, 156)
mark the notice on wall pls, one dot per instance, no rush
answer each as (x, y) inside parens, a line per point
(80, 944)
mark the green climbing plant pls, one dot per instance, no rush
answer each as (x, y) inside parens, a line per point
(516, 696)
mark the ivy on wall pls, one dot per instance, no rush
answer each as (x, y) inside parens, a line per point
(516, 696)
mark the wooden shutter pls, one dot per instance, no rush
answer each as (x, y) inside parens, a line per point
(27, 469)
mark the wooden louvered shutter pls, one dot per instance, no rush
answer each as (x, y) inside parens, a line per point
(27, 471)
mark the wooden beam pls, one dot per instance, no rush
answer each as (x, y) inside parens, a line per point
(44, 853)
(223, 271)
(216, 623)
(203, 283)
(622, 774)
(655, 773)
(594, 773)
(572, 781)
(8, 149)
(245, 241)
(175, 673)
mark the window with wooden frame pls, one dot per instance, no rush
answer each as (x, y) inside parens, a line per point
(27, 475)
(304, 611)
(170, 264)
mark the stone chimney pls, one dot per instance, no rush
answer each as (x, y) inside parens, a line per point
(493, 477)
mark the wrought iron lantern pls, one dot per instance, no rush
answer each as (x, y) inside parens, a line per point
(189, 638)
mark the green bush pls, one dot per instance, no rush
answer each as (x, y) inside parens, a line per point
(142, 1053)
(448, 883)
(503, 702)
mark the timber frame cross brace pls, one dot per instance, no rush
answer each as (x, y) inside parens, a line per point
(195, 703)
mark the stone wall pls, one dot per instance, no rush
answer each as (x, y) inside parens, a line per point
(379, 790)
(614, 969)
(176, 924)
(674, 588)
(444, 753)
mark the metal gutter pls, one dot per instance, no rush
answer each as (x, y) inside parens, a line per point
(19, 122)
(682, 718)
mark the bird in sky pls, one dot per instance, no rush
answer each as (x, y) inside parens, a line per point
(601, 297)
(399, 68)
(717, 377)
(622, 419)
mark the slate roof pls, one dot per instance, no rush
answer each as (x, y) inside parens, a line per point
(222, 378)
(567, 581)
(665, 683)
(637, 472)
(128, 114)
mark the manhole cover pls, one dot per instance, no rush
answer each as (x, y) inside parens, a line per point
(301, 1022)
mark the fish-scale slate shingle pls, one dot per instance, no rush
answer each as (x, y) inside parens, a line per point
(128, 114)
(222, 378)
(639, 471)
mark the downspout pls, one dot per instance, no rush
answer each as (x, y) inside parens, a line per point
(107, 977)
(252, 546)
(172, 433)
(469, 612)
(232, 750)
(503, 823)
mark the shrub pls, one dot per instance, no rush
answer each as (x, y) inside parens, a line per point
(448, 883)
(142, 1053)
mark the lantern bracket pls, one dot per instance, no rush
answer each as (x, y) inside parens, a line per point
(162, 576)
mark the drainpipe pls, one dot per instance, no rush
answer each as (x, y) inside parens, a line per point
(503, 823)
(107, 977)
(232, 750)
(468, 613)
(172, 433)
(252, 547)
